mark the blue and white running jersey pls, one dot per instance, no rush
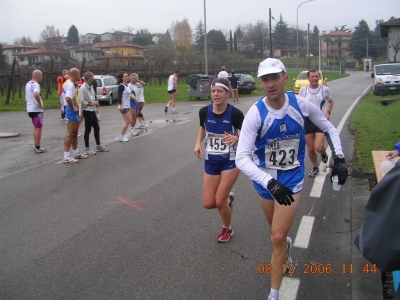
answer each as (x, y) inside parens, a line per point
(280, 143)
(215, 149)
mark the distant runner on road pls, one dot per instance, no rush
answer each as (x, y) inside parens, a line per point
(172, 91)
(220, 124)
(321, 97)
(271, 153)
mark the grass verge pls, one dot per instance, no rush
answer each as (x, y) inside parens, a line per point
(375, 127)
(153, 93)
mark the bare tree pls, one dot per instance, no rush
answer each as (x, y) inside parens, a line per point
(395, 43)
(48, 32)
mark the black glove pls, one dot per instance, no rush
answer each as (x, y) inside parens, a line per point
(280, 192)
(340, 169)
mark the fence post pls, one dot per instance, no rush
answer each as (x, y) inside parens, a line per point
(19, 82)
(162, 73)
(11, 82)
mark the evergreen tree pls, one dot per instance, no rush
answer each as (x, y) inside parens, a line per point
(235, 47)
(281, 34)
(230, 41)
(199, 36)
(358, 43)
(73, 36)
(314, 41)
(216, 41)
(97, 39)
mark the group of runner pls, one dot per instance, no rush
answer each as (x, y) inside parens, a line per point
(267, 145)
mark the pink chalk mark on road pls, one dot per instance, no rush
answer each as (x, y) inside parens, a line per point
(130, 203)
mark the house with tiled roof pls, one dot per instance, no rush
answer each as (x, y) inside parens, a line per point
(38, 56)
(391, 31)
(11, 50)
(335, 43)
(121, 52)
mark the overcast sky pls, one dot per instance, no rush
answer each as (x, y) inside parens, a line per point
(28, 18)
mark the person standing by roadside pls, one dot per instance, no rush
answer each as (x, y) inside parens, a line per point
(220, 124)
(60, 82)
(271, 153)
(234, 80)
(124, 98)
(223, 73)
(138, 88)
(72, 107)
(172, 91)
(94, 85)
(34, 107)
(134, 104)
(321, 97)
(89, 104)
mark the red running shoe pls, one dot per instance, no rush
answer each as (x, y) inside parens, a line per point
(225, 235)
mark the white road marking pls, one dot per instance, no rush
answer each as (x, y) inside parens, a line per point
(289, 288)
(180, 123)
(304, 232)
(316, 189)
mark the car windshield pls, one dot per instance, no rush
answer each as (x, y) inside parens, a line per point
(248, 78)
(387, 69)
(303, 76)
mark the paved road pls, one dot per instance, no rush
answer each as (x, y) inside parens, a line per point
(129, 224)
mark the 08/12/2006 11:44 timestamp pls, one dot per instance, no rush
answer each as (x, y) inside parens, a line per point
(318, 268)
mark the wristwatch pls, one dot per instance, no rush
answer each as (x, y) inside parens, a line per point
(329, 112)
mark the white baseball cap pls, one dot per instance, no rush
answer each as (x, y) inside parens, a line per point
(270, 66)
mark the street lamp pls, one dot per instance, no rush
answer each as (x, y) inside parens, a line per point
(297, 18)
(205, 40)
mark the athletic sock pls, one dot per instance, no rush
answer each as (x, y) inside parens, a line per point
(67, 154)
(167, 105)
(274, 293)
(230, 227)
(75, 152)
(37, 147)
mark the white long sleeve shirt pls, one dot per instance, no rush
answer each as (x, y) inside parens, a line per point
(252, 124)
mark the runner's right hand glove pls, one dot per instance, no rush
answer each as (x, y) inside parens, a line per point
(339, 169)
(281, 193)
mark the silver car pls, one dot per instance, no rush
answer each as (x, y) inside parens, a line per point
(107, 88)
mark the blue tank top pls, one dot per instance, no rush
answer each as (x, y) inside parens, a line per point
(280, 143)
(215, 149)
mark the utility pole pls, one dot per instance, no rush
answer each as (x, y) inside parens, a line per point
(308, 46)
(367, 46)
(205, 40)
(270, 35)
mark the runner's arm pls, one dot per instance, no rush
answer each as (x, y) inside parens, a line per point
(248, 135)
(200, 137)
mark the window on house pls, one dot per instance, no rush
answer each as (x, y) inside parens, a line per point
(22, 58)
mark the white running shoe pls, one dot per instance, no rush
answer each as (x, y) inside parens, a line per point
(40, 150)
(80, 156)
(134, 133)
(123, 139)
(141, 126)
(89, 152)
(70, 160)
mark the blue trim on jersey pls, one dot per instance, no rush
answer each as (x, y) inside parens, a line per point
(220, 126)
(274, 133)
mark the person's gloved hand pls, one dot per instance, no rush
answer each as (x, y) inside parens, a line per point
(281, 193)
(340, 170)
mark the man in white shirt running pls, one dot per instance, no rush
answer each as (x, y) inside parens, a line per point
(34, 107)
(172, 91)
(223, 73)
(271, 152)
(321, 97)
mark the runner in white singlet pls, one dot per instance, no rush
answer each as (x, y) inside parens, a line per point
(321, 97)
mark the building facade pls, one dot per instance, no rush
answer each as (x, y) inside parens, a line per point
(10, 51)
(335, 43)
(391, 31)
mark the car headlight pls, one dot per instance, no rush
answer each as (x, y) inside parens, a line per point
(297, 85)
(379, 79)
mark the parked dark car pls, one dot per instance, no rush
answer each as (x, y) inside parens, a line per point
(246, 84)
